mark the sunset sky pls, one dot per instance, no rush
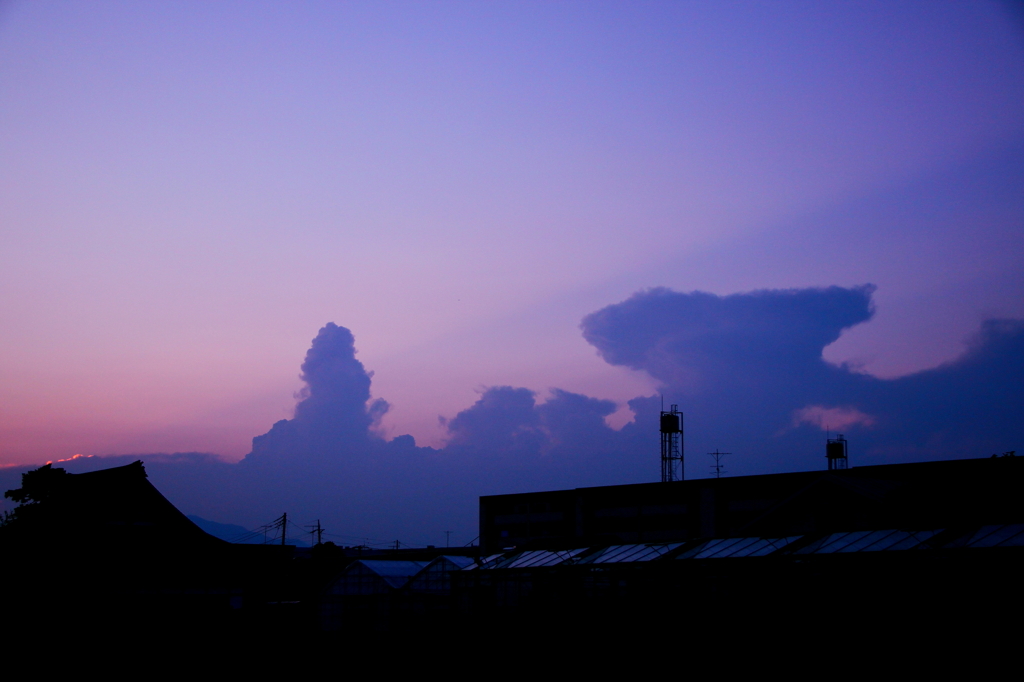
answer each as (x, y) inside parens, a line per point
(190, 191)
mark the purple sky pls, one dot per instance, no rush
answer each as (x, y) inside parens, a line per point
(190, 191)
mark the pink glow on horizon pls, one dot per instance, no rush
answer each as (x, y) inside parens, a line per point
(72, 458)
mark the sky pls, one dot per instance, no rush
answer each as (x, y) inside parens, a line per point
(190, 192)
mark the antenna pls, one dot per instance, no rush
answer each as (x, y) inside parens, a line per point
(717, 466)
(447, 538)
(837, 453)
(671, 444)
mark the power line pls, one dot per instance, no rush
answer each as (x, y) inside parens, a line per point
(276, 531)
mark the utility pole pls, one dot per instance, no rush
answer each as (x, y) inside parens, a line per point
(447, 538)
(397, 544)
(316, 531)
(284, 526)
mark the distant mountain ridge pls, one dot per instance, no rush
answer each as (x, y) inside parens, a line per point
(232, 532)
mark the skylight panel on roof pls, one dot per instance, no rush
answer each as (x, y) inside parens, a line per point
(994, 536)
(868, 539)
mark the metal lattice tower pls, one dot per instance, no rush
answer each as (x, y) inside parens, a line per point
(671, 445)
(836, 453)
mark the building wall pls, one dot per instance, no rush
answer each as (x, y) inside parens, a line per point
(922, 495)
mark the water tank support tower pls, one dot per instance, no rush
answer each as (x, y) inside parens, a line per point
(836, 453)
(671, 445)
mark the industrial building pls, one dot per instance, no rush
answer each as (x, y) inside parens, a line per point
(912, 550)
(921, 495)
(931, 545)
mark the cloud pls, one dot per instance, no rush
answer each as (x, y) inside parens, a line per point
(747, 370)
(328, 462)
(831, 418)
(72, 458)
(697, 341)
(334, 413)
(504, 419)
(574, 422)
(509, 420)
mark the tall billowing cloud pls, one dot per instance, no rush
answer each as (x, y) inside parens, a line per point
(334, 413)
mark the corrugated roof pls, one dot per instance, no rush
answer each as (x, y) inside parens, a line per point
(737, 547)
(1007, 535)
(485, 562)
(867, 541)
(396, 573)
(626, 553)
(461, 562)
(537, 557)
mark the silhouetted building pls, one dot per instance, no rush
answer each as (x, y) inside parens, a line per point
(379, 595)
(920, 495)
(920, 548)
(930, 550)
(435, 578)
(106, 550)
(907, 585)
(117, 507)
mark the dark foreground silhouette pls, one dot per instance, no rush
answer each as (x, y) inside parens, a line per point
(104, 554)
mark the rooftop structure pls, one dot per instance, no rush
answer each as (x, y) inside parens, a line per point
(919, 495)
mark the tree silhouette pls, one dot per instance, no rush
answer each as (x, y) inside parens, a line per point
(37, 488)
